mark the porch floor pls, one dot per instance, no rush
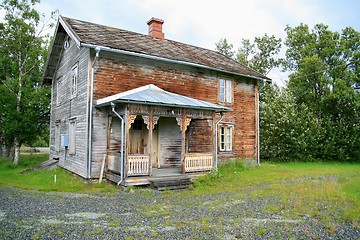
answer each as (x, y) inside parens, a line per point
(158, 174)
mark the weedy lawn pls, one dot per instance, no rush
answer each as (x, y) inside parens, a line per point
(325, 190)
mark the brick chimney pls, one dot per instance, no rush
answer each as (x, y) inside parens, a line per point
(155, 28)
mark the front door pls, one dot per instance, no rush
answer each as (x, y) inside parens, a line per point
(169, 143)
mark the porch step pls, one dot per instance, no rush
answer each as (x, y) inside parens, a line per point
(171, 183)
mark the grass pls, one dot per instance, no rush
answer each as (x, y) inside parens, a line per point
(44, 180)
(326, 191)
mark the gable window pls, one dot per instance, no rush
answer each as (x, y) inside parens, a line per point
(225, 91)
(226, 138)
(72, 136)
(74, 80)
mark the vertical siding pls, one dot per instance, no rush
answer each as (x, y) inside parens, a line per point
(71, 108)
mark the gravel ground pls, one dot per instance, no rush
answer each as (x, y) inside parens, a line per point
(149, 214)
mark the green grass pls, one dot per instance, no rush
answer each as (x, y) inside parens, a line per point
(44, 180)
(323, 190)
(327, 191)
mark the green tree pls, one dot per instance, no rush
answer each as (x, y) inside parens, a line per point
(325, 66)
(262, 54)
(225, 48)
(288, 131)
(24, 103)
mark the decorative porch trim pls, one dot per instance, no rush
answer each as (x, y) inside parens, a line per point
(198, 162)
(147, 121)
(179, 122)
(131, 119)
(138, 165)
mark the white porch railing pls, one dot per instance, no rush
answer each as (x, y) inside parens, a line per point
(198, 162)
(138, 165)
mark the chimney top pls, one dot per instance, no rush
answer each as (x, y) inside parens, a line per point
(155, 28)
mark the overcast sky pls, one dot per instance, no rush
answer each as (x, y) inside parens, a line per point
(203, 22)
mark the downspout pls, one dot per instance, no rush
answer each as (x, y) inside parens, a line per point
(258, 125)
(122, 143)
(216, 139)
(97, 52)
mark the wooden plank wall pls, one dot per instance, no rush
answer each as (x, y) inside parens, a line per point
(199, 136)
(170, 142)
(118, 75)
(71, 108)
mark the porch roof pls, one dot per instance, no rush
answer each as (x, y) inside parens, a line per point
(153, 95)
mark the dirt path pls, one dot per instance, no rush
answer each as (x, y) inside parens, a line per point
(149, 214)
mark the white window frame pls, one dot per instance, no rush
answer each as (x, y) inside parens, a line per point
(225, 91)
(72, 136)
(226, 138)
(57, 136)
(74, 81)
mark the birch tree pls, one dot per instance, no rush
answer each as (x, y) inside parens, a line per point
(24, 103)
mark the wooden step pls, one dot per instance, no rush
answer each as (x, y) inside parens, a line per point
(171, 183)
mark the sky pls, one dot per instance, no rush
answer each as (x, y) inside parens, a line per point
(204, 22)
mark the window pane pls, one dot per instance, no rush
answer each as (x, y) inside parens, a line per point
(74, 77)
(228, 91)
(222, 90)
(222, 138)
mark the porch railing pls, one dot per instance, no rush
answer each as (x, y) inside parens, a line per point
(138, 165)
(198, 162)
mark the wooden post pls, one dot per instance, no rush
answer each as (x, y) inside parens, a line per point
(214, 139)
(126, 147)
(151, 126)
(183, 141)
(257, 118)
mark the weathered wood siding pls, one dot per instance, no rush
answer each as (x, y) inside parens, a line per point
(115, 75)
(70, 109)
(169, 142)
(199, 136)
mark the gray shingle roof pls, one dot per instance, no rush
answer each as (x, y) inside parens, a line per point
(99, 35)
(152, 95)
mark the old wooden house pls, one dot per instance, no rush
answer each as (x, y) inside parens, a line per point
(139, 106)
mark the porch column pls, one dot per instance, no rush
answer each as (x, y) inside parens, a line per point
(183, 122)
(129, 120)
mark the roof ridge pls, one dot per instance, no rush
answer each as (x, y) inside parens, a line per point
(129, 41)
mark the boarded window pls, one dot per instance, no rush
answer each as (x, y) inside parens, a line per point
(72, 136)
(58, 91)
(74, 81)
(57, 136)
(225, 91)
(226, 138)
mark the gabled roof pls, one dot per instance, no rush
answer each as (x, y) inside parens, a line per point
(91, 34)
(153, 95)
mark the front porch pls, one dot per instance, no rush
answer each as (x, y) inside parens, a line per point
(150, 140)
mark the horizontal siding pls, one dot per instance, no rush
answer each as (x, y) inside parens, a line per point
(71, 108)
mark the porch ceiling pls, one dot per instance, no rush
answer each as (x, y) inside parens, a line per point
(153, 95)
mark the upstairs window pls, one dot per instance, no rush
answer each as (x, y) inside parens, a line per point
(226, 138)
(74, 81)
(225, 91)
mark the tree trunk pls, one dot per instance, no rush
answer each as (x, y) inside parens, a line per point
(16, 151)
